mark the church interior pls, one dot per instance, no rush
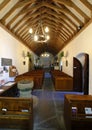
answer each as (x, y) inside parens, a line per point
(45, 64)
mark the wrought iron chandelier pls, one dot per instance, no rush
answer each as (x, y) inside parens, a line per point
(40, 34)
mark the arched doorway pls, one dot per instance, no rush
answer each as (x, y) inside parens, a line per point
(81, 73)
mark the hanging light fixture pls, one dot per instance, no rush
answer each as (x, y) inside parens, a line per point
(45, 54)
(40, 34)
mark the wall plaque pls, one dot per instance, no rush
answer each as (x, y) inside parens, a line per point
(6, 62)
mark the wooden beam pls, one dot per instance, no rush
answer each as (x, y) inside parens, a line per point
(3, 4)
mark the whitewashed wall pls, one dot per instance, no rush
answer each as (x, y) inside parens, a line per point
(82, 43)
(12, 49)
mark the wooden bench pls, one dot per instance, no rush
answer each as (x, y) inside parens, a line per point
(78, 112)
(62, 81)
(16, 113)
(36, 76)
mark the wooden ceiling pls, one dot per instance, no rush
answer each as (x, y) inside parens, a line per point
(65, 18)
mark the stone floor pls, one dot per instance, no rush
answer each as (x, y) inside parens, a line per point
(48, 114)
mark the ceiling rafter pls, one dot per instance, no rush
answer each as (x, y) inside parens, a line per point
(86, 3)
(65, 11)
(86, 18)
(58, 15)
(24, 3)
(65, 2)
(3, 4)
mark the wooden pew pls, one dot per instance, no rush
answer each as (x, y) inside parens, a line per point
(36, 76)
(78, 112)
(16, 113)
(62, 81)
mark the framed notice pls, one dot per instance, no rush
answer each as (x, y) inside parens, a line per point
(6, 62)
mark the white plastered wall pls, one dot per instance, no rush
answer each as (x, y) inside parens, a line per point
(12, 49)
(82, 43)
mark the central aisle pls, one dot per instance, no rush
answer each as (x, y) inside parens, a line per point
(48, 114)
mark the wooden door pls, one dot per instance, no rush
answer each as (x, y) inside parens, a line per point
(86, 75)
(77, 75)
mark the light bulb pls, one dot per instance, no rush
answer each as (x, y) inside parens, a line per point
(46, 29)
(31, 30)
(35, 37)
(47, 37)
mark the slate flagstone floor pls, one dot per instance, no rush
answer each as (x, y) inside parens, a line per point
(48, 114)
